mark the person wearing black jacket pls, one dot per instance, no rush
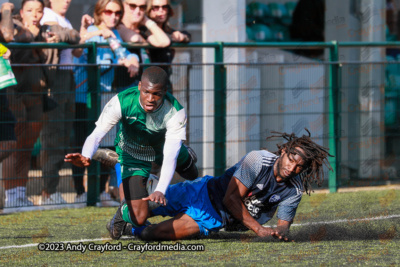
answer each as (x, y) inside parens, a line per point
(161, 11)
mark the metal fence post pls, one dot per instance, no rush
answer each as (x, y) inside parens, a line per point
(93, 183)
(333, 115)
(219, 111)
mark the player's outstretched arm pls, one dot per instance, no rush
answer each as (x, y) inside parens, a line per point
(233, 202)
(78, 160)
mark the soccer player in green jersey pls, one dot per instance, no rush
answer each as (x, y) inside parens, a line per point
(152, 129)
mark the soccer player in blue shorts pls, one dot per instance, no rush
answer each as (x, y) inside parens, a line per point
(246, 196)
(152, 130)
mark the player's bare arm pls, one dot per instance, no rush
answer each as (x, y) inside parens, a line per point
(233, 202)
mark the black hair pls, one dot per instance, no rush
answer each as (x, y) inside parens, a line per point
(156, 75)
(314, 156)
(25, 1)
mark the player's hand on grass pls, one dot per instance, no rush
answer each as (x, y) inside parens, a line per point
(78, 160)
(157, 197)
(281, 234)
(274, 232)
(264, 231)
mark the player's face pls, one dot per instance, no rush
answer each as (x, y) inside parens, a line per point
(151, 95)
(289, 165)
(159, 11)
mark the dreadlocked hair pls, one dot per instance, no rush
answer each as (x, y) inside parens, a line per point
(314, 156)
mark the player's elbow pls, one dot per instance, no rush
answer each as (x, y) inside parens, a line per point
(146, 234)
(228, 201)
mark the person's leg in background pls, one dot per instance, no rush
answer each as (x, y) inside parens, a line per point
(80, 133)
(8, 140)
(28, 111)
(7, 125)
(56, 134)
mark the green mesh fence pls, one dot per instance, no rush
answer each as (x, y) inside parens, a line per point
(352, 107)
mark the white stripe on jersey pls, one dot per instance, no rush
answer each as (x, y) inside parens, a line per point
(268, 161)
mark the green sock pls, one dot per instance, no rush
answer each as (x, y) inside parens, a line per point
(126, 216)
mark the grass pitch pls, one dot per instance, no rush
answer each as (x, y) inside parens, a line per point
(360, 228)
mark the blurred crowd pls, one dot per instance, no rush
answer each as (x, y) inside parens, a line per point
(50, 104)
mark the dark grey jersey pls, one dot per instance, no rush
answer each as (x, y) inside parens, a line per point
(265, 196)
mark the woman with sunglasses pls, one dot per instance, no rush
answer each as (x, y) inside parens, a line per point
(107, 16)
(133, 21)
(160, 11)
(27, 100)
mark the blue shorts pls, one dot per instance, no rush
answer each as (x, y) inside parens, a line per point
(191, 198)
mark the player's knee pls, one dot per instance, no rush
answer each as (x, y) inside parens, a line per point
(139, 217)
(142, 220)
(147, 233)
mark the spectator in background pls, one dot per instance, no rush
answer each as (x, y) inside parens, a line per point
(7, 124)
(392, 28)
(135, 22)
(7, 119)
(55, 136)
(160, 11)
(308, 24)
(27, 99)
(107, 16)
(81, 112)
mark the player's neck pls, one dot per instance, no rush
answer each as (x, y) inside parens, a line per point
(278, 179)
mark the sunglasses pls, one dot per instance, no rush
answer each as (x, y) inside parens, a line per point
(164, 7)
(110, 12)
(134, 6)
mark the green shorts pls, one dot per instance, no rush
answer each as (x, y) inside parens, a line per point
(131, 166)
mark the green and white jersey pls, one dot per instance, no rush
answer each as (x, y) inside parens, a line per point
(142, 135)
